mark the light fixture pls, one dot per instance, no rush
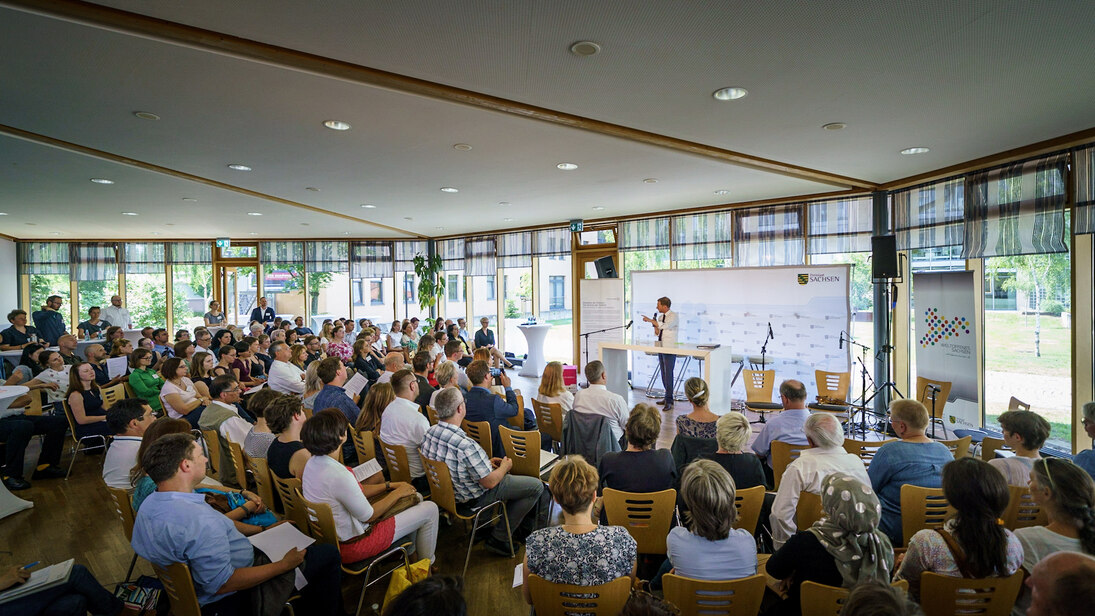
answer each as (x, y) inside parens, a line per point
(169, 224)
(408, 218)
(503, 203)
(254, 213)
(463, 147)
(440, 228)
(650, 181)
(834, 126)
(337, 125)
(507, 220)
(155, 233)
(31, 224)
(129, 213)
(567, 166)
(732, 93)
(312, 188)
(190, 199)
(368, 206)
(722, 191)
(102, 181)
(55, 233)
(146, 115)
(3, 213)
(239, 167)
(449, 189)
(598, 208)
(916, 150)
(345, 233)
(253, 233)
(585, 48)
(305, 224)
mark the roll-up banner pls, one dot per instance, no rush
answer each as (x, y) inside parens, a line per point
(946, 342)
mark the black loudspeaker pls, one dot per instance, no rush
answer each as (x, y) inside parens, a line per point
(884, 257)
(606, 267)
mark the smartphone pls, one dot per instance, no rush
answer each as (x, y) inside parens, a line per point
(495, 371)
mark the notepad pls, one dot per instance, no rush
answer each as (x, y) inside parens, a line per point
(356, 383)
(116, 366)
(277, 541)
(547, 459)
(518, 575)
(366, 470)
(254, 389)
(41, 579)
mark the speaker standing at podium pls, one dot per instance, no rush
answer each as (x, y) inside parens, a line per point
(665, 327)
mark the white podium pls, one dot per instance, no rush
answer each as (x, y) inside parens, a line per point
(534, 336)
(716, 368)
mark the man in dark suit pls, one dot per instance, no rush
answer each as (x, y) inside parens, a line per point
(484, 405)
(262, 313)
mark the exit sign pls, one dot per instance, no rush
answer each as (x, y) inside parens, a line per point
(577, 226)
(224, 242)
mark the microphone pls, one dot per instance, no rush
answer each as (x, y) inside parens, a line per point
(934, 388)
(841, 340)
(770, 334)
(628, 326)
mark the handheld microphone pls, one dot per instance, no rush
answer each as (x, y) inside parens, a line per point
(628, 326)
(841, 340)
(934, 388)
(770, 334)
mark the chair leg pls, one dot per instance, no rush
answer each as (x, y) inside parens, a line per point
(71, 461)
(132, 563)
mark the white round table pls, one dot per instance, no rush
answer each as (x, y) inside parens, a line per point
(534, 335)
(9, 393)
(9, 504)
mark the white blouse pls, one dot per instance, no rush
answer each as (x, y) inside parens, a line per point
(565, 399)
(60, 377)
(327, 481)
(188, 393)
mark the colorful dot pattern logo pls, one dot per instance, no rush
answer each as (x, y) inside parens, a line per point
(942, 328)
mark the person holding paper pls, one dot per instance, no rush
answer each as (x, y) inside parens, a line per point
(175, 525)
(223, 416)
(79, 594)
(333, 395)
(96, 356)
(181, 398)
(665, 328)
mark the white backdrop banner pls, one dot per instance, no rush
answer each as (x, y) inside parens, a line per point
(806, 305)
(946, 341)
(602, 307)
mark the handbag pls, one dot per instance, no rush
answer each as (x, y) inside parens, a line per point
(404, 503)
(404, 577)
(957, 552)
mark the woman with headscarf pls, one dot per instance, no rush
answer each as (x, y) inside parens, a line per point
(843, 548)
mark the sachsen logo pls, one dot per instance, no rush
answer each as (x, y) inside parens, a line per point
(807, 278)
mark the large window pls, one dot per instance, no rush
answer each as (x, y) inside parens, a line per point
(861, 298)
(453, 307)
(406, 305)
(517, 299)
(483, 303)
(192, 290)
(640, 261)
(328, 295)
(97, 293)
(556, 303)
(454, 289)
(283, 287)
(372, 299)
(489, 283)
(146, 300)
(45, 285)
(557, 292)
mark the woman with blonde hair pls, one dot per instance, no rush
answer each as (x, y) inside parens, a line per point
(732, 432)
(552, 389)
(446, 379)
(378, 399)
(121, 347)
(312, 385)
(700, 423)
(297, 355)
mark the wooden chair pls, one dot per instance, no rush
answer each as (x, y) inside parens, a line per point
(321, 526)
(442, 493)
(647, 516)
(128, 390)
(523, 447)
(922, 508)
(518, 420)
(866, 450)
(112, 394)
(549, 420)
(563, 599)
(833, 385)
(235, 452)
(364, 445)
(930, 397)
(123, 506)
(748, 503)
(821, 600)
(431, 414)
(212, 446)
(758, 393)
(179, 587)
(479, 431)
(78, 444)
(782, 456)
(295, 512)
(699, 597)
(960, 447)
(264, 485)
(396, 458)
(1022, 511)
(808, 510)
(1015, 404)
(943, 594)
(989, 446)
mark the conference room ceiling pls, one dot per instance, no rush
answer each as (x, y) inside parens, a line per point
(963, 79)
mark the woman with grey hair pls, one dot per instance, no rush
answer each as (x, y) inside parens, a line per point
(312, 385)
(1086, 459)
(446, 379)
(732, 432)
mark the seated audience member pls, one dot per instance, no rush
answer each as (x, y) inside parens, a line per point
(372, 408)
(454, 352)
(578, 551)
(1025, 432)
(361, 361)
(437, 595)
(700, 423)
(157, 359)
(404, 425)
(478, 479)
(332, 373)
(808, 472)
(1067, 494)
(79, 594)
(128, 419)
(96, 356)
(86, 403)
(484, 339)
(362, 527)
(314, 349)
(221, 339)
(732, 432)
(338, 346)
(437, 349)
(284, 377)
(260, 436)
(973, 536)
(28, 367)
(301, 329)
(393, 362)
(93, 325)
(456, 334)
(182, 334)
(915, 459)
(180, 396)
(226, 356)
(421, 365)
(844, 548)
(203, 339)
(160, 345)
(463, 328)
(263, 352)
(1086, 459)
(286, 455)
(786, 425)
(19, 335)
(312, 386)
(597, 400)
(184, 350)
(175, 525)
(16, 430)
(66, 348)
(145, 383)
(484, 405)
(53, 371)
(223, 416)
(879, 599)
(552, 389)
(446, 379)
(1063, 584)
(142, 485)
(408, 341)
(241, 366)
(642, 603)
(201, 372)
(640, 467)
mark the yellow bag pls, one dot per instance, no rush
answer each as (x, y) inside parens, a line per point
(403, 577)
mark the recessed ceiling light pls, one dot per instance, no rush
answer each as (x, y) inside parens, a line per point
(3, 213)
(169, 224)
(253, 233)
(337, 125)
(305, 224)
(55, 233)
(916, 150)
(312, 188)
(585, 48)
(507, 220)
(345, 233)
(31, 224)
(129, 213)
(239, 167)
(440, 228)
(408, 218)
(146, 115)
(722, 191)
(599, 208)
(567, 166)
(368, 206)
(503, 203)
(254, 213)
(449, 189)
(102, 181)
(463, 147)
(155, 233)
(650, 181)
(730, 94)
(190, 199)
(834, 126)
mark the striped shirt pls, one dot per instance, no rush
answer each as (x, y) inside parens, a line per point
(467, 461)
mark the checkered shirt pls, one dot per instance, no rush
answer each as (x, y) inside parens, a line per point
(467, 461)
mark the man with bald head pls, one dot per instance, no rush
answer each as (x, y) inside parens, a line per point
(393, 362)
(1062, 584)
(786, 425)
(116, 315)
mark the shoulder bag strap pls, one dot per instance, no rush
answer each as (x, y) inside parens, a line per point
(956, 551)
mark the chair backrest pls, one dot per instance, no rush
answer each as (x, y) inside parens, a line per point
(549, 419)
(989, 446)
(212, 449)
(518, 420)
(749, 502)
(704, 598)
(782, 456)
(124, 507)
(922, 508)
(758, 385)
(441, 490)
(926, 395)
(1015, 404)
(431, 414)
(808, 510)
(69, 416)
(179, 587)
(364, 445)
(34, 407)
(321, 522)
(833, 384)
(479, 431)
(558, 599)
(264, 486)
(112, 394)
(396, 457)
(943, 594)
(960, 447)
(866, 450)
(236, 453)
(287, 490)
(129, 393)
(647, 516)
(821, 600)
(523, 447)
(1022, 511)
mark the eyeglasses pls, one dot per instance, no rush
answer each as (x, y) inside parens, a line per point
(232, 391)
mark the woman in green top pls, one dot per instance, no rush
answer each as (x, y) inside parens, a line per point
(145, 383)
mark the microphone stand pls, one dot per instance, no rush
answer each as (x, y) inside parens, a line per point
(599, 331)
(864, 377)
(764, 347)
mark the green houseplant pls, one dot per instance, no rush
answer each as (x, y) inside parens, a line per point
(431, 282)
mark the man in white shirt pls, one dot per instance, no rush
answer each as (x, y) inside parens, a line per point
(393, 362)
(116, 315)
(284, 376)
(805, 474)
(402, 423)
(203, 341)
(129, 418)
(222, 415)
(597, 400)
(786, 425)
(665, 328)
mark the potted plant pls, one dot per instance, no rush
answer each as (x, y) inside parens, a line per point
(431, 282)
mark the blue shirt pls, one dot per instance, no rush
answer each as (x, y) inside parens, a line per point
(702, 559)
(179, 527)
(785, 426)
(1086, 461)
(484, 405)
(333, 396)
(14, 337)
(900, 463)
(50, 324)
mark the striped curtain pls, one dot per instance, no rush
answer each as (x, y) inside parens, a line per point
(93, 261)
(839, 225)
(190, 253)
(1017, 209)
(405, 252)
(930, 216)
(44, 257)
(702, 236)
(327, 257)
(769, 235)
(551, 242)
(645, 234)
(452, 254)
(1083, 177)
(371, 260)
(480, 256)
(145, 258)
(515, 249)
(281, 253)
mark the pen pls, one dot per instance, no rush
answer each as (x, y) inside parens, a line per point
(25, 567)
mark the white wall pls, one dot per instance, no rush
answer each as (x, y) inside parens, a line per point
(9, 277)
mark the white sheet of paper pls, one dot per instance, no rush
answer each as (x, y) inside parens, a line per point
(547, 458)
(254, 389)
(116, 366)
(518, 575)
(356, 383)
(277, 541)
(366, 470)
